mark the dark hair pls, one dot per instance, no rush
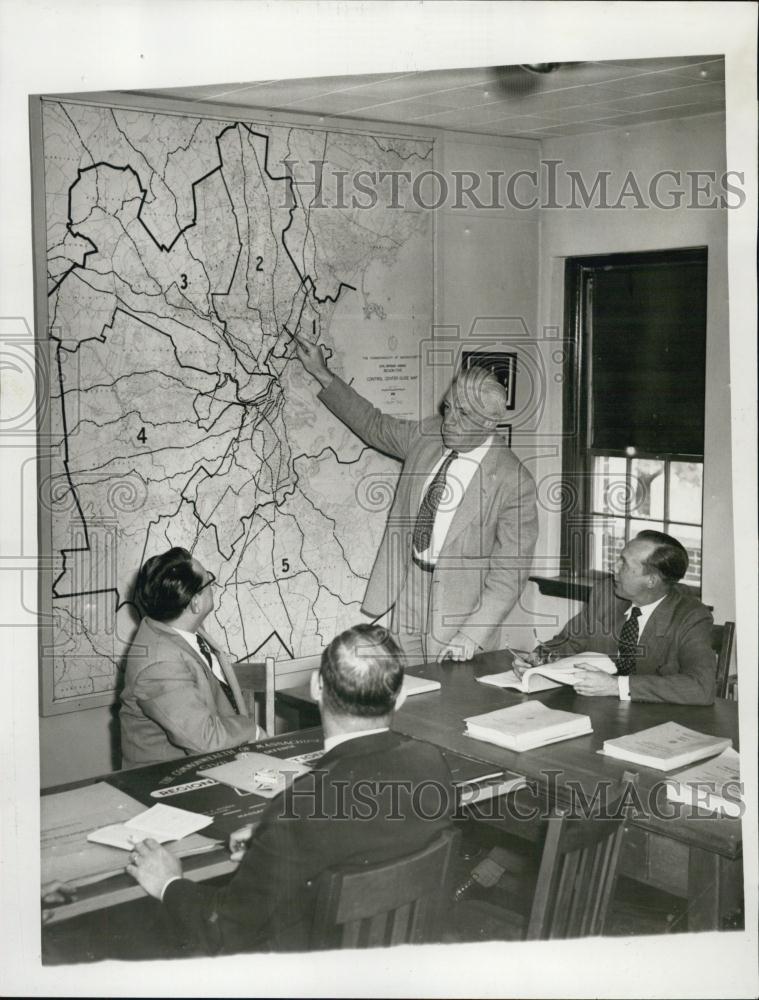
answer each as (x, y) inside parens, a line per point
(362, 672)
(166, 584)
(669, 557)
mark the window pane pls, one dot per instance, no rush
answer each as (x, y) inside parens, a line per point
(638, 525)
(647, 488)
(608, 539)
(609, 485)
(691, 539)
(685, 490)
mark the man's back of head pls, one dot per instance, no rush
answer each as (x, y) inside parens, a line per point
(167, 584)
(361, 675)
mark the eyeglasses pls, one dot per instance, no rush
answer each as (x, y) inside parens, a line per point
(211, 579)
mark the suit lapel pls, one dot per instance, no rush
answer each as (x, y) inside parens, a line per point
(478, 493)
(657, 627)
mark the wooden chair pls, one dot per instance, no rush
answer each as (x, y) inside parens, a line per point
(723, 637)
(256, 679)
(574, 887)
(397, 902)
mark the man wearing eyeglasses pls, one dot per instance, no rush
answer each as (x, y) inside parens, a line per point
(180, 692)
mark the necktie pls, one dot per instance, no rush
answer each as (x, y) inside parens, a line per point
(430, 503)
(628, 643)
(205, 649)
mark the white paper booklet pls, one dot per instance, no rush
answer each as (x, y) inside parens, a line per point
(418, 685)
(550, 675)
(526, 726)
(162, 823)
(714, 785)
(666, 747)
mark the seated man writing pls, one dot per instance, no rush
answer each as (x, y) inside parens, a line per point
(659, 637)
(375, 796)
(180, 692)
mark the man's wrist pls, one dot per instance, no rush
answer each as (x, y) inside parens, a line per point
(324, 378)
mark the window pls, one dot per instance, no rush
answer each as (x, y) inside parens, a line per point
(634, 403)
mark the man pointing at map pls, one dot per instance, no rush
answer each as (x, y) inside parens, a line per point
(461, 532)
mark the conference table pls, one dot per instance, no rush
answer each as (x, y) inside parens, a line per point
(667, 845)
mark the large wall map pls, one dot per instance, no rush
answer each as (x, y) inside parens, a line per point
(182, 254)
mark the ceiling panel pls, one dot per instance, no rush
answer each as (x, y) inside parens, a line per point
(496, 100)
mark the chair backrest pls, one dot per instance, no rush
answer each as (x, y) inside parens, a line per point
(258, 678)
(396, 902)
(578, 872)
(723, 637)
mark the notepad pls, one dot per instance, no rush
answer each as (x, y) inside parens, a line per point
(258, 773)
(161, 822)
(550, 675)
(526, 726)
(665, 747)
(714, 785)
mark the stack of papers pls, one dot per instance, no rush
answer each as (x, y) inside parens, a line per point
(526, 726)
(714, 785)
(161, 823)
(550, 675)
(665, 747)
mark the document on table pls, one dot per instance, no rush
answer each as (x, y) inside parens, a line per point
(68, 817)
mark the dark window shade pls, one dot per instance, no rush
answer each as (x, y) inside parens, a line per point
(648, 358)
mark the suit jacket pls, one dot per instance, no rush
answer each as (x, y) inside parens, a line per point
(370, 800)
(171, 704)
(486, 557)
(676, 662)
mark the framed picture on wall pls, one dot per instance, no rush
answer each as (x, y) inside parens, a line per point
(503, 364)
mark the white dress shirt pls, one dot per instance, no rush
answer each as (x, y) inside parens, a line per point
(646, 610)
(335, 741)
(192, 638)
(460, 474)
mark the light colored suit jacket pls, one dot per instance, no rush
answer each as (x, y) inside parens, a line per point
(487, 554)
(171, 704)
(676, 662)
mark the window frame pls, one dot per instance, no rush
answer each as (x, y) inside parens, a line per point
(576, 553)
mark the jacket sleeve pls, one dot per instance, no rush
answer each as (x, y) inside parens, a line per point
(590, 629)
(695, 680)
(266, 890)
(166, 692)
(510, 560)
(387, 434)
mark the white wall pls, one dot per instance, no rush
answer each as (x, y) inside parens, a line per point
(689, 144)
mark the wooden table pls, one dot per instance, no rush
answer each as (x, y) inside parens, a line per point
(698, 858)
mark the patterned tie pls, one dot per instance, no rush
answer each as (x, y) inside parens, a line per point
(628, 643)
(425, 519)
(205, 649)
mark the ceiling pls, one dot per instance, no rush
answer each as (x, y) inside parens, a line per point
(572, 99)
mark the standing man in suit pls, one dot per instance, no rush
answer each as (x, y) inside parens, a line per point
(659, 636)
(461, 532)
(180, 692)
(374, 796)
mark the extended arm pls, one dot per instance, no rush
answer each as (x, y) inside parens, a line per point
(377, 429)
(167, 693)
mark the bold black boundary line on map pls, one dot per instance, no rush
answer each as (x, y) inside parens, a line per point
(306, 282)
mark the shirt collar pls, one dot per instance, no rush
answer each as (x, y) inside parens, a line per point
(334, 741)
(646, 610)
(477, 454)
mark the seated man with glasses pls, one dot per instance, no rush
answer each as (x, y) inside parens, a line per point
(180, 692)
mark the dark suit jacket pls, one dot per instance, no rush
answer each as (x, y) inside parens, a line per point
(316, 824)
(487, 554)
(676, 662)
(172, 705)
